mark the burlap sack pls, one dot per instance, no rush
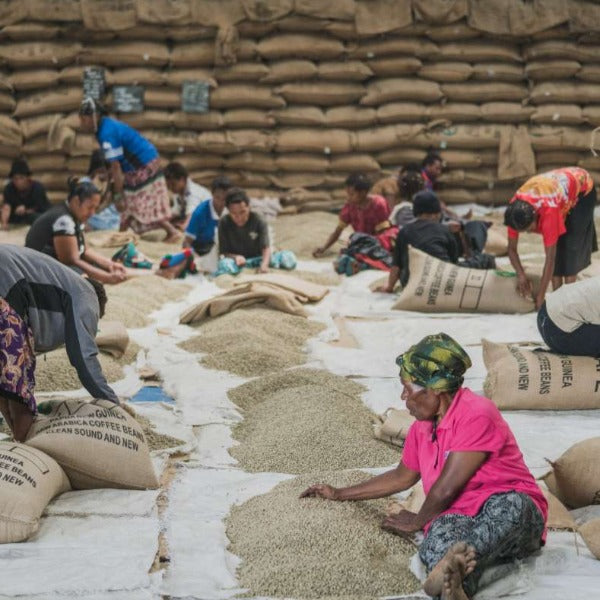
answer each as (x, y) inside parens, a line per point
(197, 121)
(164, 12)
(321, 93)
(10, 133)
(480, 51)
(29, 480)
(354, 162)
(573, 92)
(149, 119)
(349, 70)
(162, 98)
(250, 161)
(61, 99)
(533, 380)
(473, 137)
(559, 517)
(412, 90)
(176, 77)
(397, 112)
(197, 162)
(136, 76)
(506, 112)
(7, 102)
(126, 54)
(302, 162)
(484, 91)
(24, 32)
(438, 286)
(232, 94)
(243, 71)
(548, 160)
(590, 532)
(381, 16)
(497, 241)
(399, 156)
(459, 112)
(39, 54)
(560, 137)
(515, 154)
(567, 114)
(290, 70)
(589, 73)
(294, 180)
(98, 444)
(300, 115)
(39, 163)
(111, 15)
(577, 474)
(493, 71)
(248, 117)
(352, 117)
(376, 139)
(292, 45)
(314, 140)
(170, 140)
(393, 426)
(392, 46)
(394, 66)
(31, 80)
(551, 70)
(446, 71)
(562, 50)
(112, 338)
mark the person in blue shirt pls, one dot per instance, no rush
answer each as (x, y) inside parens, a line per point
(139, 186)
(200, 232)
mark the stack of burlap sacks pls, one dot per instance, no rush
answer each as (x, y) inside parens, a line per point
(303, 92)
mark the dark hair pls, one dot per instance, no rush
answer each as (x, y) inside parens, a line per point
(19, 167)
(97, 161)
(410, 181)
(519, 215)
(426, 203)
(235, 196)
(221, 182)
(100, 293)
(175, 170)
(430, 158)
(358, 181)
(81, 187)
(90, 106)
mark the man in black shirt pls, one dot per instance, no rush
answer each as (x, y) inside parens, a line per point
(24, 199)
(429, 235)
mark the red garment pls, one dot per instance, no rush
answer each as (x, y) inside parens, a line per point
(472, 424)
(429, 184)
(371, 219)
(553, 195)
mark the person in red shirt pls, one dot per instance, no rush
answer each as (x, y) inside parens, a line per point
(559, 205)
(366, 213)
(482, 504)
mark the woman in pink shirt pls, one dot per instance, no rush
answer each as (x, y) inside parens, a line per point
(482, 504)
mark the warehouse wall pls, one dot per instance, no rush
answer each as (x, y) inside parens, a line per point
(304, 91)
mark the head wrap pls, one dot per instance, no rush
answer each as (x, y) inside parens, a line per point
(19, 167)
(426, 203)
(519, 215)
(437, 362)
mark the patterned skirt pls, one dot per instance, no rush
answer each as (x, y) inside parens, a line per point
(145, 198)
(17, 358)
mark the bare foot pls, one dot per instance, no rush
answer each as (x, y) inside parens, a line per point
(461, 552)
(457, 568)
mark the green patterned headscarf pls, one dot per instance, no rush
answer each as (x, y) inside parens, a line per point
(436, 362)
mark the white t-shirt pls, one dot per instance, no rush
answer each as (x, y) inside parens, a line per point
(574, 304)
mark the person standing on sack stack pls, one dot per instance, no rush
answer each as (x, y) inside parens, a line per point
(43, 305)
(139, 188)
(482, 505)
(560, 205)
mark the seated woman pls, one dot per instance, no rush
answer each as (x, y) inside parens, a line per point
(482, 504)
(569, 319)
(559, 205)
(107, 216)
(428, 234)
(24, 198)
(244, 239)
(366, 213)
(59, 233)
(43, 305)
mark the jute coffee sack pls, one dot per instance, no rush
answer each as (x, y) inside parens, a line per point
(28, 481)
(590, 532)
(393, 426)
(438, 286)
(520, 379)
(98, 444)
(577, 474)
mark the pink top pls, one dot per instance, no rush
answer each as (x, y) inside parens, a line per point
(372, 219)
(472, 424)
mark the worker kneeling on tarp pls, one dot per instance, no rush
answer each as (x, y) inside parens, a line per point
(482, 504)
(43, 305)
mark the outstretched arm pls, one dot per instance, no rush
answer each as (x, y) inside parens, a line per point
(335, 235)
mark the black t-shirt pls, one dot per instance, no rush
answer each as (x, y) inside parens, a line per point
(249, 240)
(57, 221)
(428, 236)
(36, 197)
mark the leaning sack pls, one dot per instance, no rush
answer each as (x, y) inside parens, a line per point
(537, 380)
(393, 426)
(98, 444)
(438, 286)
(28, 481)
